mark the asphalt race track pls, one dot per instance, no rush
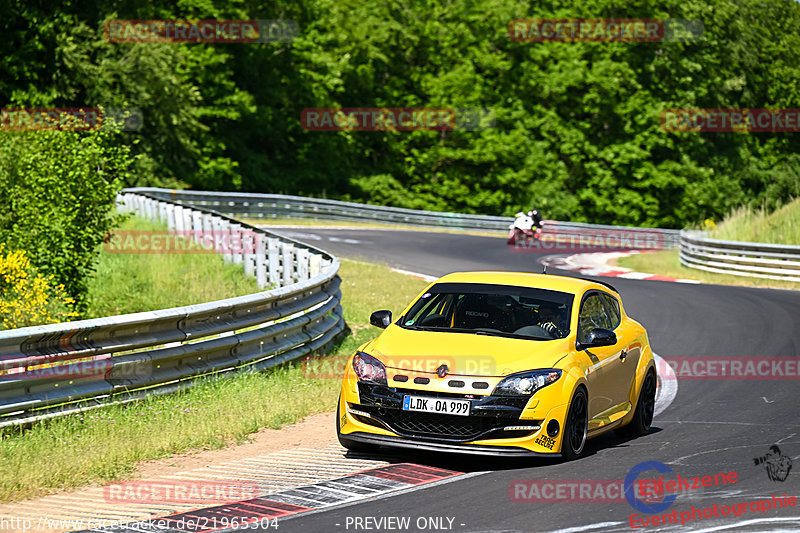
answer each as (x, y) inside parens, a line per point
(712, 426)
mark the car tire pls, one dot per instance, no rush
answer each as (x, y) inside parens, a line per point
(351, 445)
(645, 407)
(573, 442)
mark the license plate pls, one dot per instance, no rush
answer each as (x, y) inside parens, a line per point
(436, 405)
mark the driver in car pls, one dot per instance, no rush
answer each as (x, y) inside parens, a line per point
(549, 318)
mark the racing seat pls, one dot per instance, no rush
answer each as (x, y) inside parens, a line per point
(481, 311)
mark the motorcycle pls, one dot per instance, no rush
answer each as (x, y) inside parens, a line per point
(524, 229)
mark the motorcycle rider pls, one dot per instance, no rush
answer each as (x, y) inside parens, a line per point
(526, 225)
(536, 217)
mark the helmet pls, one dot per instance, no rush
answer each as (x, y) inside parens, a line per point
(551, 309)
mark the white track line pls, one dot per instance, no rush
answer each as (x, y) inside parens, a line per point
(415, 274)
(587, 528)
(667, 385)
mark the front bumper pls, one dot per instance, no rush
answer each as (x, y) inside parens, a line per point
(489, 415)
(474, 449)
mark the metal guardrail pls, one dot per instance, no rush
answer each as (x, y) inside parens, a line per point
(121, 358)
(757, 260)
(256, 206)
(124, 357)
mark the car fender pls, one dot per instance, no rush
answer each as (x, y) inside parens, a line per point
(646, 362)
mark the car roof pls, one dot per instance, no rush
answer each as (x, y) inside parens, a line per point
(525, 279)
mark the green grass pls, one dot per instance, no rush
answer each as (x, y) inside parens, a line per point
(107, 443)
(744, 224)
(779, 227)
(666, 263)
(133, 282)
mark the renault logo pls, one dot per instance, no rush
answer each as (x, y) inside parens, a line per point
(442, 371)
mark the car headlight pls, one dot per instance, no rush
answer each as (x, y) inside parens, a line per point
(526, 383)
(368, 368)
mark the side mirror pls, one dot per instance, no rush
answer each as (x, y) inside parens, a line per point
(598, 337)
(382, 319)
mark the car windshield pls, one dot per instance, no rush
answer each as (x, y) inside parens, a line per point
(502, 310)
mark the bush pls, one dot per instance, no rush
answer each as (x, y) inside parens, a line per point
(27, 298)
(59, 190)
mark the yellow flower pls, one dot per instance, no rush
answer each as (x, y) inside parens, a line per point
(26, 296)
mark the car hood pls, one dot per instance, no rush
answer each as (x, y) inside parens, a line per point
(464, 353)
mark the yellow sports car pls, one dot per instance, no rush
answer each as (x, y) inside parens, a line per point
(500, 363)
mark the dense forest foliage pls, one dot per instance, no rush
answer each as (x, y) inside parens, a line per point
(577, 131)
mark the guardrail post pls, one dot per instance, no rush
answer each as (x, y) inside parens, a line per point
(219, 237)
(302, 264)
(154, 210)
(197, 226)
(207, 226)
(288, 264)
(236, 244)
(314, 265)
(273, 255)
(187, 219)
(170, 217)
(179, 219)
(261, 260)
(249, 252)
(146, 209)
(225, 236)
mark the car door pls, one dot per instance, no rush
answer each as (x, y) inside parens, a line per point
(623, 367)
(601, 373)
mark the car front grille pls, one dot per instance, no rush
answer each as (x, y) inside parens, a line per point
(437, 425)
(489, 415)
(447, 427)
